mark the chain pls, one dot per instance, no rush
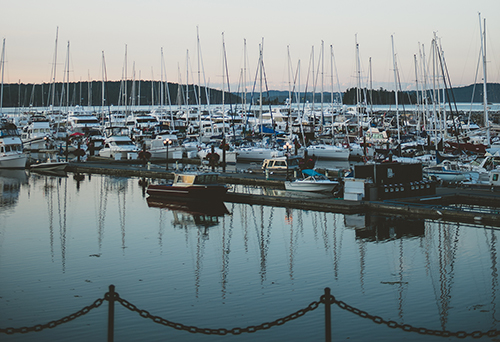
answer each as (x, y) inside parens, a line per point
(235, 331)
(410, 328)
(253, 328)
(53, 324)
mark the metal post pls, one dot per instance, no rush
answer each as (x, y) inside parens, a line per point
(111, 313)
(328, 316)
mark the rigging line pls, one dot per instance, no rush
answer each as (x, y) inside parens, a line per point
(253, 92)
(448, 87)
(269, 99)
(474, 86)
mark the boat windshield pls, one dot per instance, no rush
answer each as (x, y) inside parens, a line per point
(206, 179)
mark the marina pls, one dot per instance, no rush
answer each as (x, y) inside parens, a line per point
(234, 265)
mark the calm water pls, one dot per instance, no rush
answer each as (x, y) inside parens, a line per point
(63, 242)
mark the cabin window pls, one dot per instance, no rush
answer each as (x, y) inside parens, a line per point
(495, 177)
(390, 173)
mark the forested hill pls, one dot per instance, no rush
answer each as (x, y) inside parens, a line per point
(91, 94)
(147, 93)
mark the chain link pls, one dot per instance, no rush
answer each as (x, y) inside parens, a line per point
(53, 324)
(222, 331)
(253, 328)
(410, 328)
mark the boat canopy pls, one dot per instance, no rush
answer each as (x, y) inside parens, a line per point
(311, 173)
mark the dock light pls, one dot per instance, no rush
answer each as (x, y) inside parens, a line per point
(167, 142)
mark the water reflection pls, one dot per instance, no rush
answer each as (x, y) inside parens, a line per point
(222, 257)
(383, 228)
(191, 213)
(10, 185)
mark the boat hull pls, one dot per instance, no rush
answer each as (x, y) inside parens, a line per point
(13, 161)
(311, 186)
(193, 192)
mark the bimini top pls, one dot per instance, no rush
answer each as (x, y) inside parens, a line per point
(312, 173)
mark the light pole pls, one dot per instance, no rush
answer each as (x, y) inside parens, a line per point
(167, 142)
(287, 148)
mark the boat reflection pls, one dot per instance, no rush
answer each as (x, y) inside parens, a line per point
(372, 228)
(191, 213)
(51, 173)
(10, 185)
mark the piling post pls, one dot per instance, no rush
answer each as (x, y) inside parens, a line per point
(328, 316)
(111, 313)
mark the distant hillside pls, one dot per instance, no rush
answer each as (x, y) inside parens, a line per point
(147, 93)
(382, 96)
(90, 94)
(464, 94)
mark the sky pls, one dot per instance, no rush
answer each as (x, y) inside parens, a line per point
(132, 34)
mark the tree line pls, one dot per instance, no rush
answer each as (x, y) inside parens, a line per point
(115, 93)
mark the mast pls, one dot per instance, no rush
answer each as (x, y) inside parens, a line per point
(199, 77)
(371, 89)
(418, 98)
(67, 78)
(434, 92)
(2, 63)
(161, 79)
(396, 92)
(223, 83)
(485, 94)
(260, 74)
(245, 77)
(54, 73)
(358, 80)
(104, 79)
(322, 82)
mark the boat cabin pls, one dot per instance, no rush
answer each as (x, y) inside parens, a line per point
(280, 164)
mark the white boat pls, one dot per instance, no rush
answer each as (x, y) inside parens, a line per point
(50, 165)
(325, 151)
(450, 171)
(255, 153)
(11, 147)
(80, 122)
(158, 148)
(314, 182)
(118, 147)
(37, 134)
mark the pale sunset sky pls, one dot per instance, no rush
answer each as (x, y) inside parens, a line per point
(291, 30)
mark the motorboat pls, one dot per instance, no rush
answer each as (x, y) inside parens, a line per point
(256, 153)
(192, 185)
(119, 147)
(450, 171)
(37, 134)
(11, 146)
(50, 165)
(282, 164)
(314, 182)
(159, 147)
(328, 151)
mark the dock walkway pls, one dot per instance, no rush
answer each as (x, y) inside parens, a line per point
(478, 205)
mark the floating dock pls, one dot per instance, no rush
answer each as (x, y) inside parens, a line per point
(478, 205)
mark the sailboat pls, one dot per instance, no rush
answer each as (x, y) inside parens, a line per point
(11, 146)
